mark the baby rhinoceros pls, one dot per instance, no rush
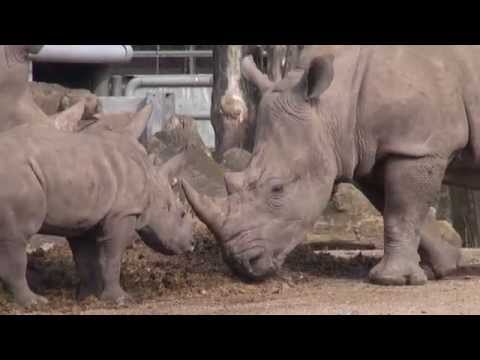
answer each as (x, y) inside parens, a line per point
(98, 189)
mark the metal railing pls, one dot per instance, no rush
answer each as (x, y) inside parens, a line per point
(173, 54)
(191, 54)
(168, 81)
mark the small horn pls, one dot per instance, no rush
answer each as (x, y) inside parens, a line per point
(69, 119)
(207, 210)
(233, 182)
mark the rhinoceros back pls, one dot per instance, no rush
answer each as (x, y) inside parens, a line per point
(84, 177)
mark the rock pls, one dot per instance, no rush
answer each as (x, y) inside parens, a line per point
(236, 159)
(179, 132)
(54, 98)
(179, 135)
(442, 228)
(351, 222)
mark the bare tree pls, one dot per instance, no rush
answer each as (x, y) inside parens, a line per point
(234, 100)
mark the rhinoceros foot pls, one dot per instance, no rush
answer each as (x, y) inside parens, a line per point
(84, 291)
(30, 300)
(397, 272)
(117, 297)
(444, 263)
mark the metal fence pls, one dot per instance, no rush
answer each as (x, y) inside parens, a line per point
(192, 91)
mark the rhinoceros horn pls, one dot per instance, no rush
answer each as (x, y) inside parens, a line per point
(233, 181)
(208, 210)
(68, 120)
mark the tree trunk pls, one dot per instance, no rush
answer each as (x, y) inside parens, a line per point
(234, 100)
(292, 58)
(276, 57)
(465, 212)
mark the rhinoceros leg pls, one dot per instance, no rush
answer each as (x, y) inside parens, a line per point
(439, 255)
(87, 261)
(13, 268)
(411, 186)
(117, 235)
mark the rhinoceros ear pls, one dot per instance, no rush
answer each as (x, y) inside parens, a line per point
(318, 77)
(139, 122)
(69, 119)
(251, 72)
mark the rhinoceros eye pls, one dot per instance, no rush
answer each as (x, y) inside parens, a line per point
(277, 189)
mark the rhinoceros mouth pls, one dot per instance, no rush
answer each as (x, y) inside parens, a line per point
(153, 242)
(253, 263)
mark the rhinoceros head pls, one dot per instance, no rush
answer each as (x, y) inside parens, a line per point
(166, 226)
(275, 201)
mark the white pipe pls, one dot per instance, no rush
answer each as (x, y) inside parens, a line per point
(84, 54)
(204, 80)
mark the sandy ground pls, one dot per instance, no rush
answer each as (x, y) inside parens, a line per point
(333, 297)
(312, 282)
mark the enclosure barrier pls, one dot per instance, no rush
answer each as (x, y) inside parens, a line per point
(168, 81)
(85, 54)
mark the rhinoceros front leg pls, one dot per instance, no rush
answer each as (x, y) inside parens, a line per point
(442, 257)
(86, 255)
(117, 234)
(411, 186)
(13, 268)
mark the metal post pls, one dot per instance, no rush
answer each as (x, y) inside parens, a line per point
(102, 82)
(157, 60)
(191, 65)
(30, 71)
(117, 82)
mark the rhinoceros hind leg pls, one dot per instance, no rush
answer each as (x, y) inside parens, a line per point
(13, 267)
(440, 257)
(411, 186)
(87, 261)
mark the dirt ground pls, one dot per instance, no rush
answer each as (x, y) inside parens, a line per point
(312, 282)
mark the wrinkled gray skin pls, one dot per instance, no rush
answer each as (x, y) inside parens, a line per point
(395, 120)
(97, 188)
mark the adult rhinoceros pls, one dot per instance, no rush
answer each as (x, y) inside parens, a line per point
(396, 120)
(17, 104)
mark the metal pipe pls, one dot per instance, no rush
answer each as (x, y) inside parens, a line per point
(168, 81)
(173, 54)
(85, 54)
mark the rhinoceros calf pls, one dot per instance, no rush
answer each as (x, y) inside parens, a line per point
(98, 189)
(395, 120)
